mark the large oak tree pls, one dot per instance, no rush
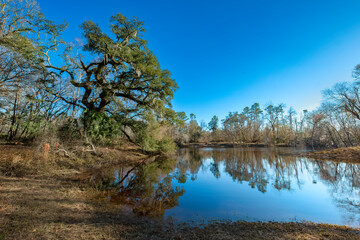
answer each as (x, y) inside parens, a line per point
(120, 69)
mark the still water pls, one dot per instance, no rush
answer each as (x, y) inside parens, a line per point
(238, 184)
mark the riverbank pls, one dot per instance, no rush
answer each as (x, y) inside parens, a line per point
(22, 160)
(346, 154)
(227, 145)
(54, 203)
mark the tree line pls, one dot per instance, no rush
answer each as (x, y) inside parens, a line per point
(334, 124)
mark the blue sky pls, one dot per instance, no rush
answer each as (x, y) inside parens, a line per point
(226, 55)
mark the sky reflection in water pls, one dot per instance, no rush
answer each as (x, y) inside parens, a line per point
(240, 183)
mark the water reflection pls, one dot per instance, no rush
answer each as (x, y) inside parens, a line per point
(289, 187)
(147, 188)
(257, 167)
(344, 185)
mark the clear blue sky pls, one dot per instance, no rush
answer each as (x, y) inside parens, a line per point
(226, 55)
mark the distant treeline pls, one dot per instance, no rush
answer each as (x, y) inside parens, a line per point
(334, 124)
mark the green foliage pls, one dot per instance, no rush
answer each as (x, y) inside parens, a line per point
(177, 119)
(152, 135)
(121, 88)
(69, 131)
(194, 129)
(151, 144)
(255, 111)
(26, 31)
(125, 70)
(101, 129)
(214, 123)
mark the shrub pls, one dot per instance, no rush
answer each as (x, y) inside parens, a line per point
(102, 129)
(154, 136)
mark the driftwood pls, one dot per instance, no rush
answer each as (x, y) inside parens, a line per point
(63, 151)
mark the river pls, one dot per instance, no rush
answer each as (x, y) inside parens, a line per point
(253, 184)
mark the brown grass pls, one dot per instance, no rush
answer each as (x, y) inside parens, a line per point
(19, 160)
(346, 154)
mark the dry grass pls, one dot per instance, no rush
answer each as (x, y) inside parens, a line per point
(47, 204)
(346, 154)
(19, 160)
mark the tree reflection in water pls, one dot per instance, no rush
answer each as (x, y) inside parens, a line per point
(153, 188)
(344, 183)
(147, 188)
(258, 168)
